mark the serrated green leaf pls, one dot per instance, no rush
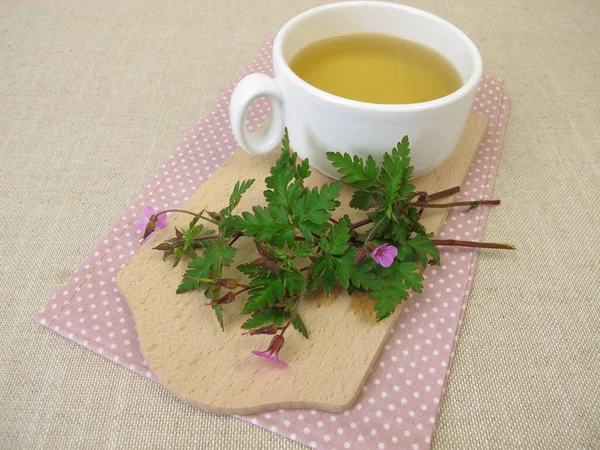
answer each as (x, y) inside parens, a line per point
(361, 200)
(236, 196)
(331, 270)
(302, 249)
(388, 297)
(285, 184)
(265, 317)
(186, 285)
(363, 277)
(409, 273)
(312, 210)
(423, 246)
(396, 171)
(303, 169)
(177, 255)
(220, 255)
(298, 324)
(270, 224)
(265, 292)
(294, 282)
(251, 270)
(218, 309)
(336, 241)
(353, 169)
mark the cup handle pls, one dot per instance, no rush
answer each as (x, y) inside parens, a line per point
(249, 89)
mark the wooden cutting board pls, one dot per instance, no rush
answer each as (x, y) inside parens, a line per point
(190, 355)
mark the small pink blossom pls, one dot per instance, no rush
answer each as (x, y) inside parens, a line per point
(151, 223)
(272, 352)
(385, 254)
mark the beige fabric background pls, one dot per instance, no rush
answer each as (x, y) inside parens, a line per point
(95, 95)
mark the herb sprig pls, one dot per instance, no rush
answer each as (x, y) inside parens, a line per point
(301, 248)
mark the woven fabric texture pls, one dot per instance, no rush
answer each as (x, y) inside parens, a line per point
(96, 95)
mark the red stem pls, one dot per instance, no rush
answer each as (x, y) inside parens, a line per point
(455, 243)
(451, 205)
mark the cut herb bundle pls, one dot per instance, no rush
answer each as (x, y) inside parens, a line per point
(301, 248)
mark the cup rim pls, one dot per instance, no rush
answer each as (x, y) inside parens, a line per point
(467, 87)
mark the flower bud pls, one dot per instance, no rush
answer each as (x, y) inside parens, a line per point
(362, 252)
(227, 298)
(164, 246)
(259, 261)
(228, 283)
(149, 228)
(261, 249)
(214, 215)
(267, 329)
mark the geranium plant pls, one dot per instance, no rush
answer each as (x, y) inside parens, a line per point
(302, 247)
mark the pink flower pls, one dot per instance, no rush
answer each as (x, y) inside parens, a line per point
(385, 254)
(272, 352)
(151, 223)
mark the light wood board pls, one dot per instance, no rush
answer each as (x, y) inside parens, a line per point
(189, 354)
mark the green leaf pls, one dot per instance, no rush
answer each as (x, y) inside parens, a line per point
(198, 268)
(186, 285)
(303, 169)
(270, 224)
(285, 171)
(265, 317)
(294, 282)
(251, 270)
(192, 233)
(336, 241)
(218, 309)
(423, 246)
(177, 255)
(214, 258)
(396, 171)
(236, 196)
(399, 231)
(311, 211)
(220, 254)
(361, 200)
(265, 292)
(331, 270)
(354, 171)
(363, 277)
(473, 206)
(299, 325)
(302, 249)
(387, 298)
(409, 273)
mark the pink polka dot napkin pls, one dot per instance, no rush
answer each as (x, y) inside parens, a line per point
(400, 401)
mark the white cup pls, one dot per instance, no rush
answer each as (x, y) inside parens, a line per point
(319, 122)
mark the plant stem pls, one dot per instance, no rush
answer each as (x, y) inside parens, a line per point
(442, 194)
(455, 243)
(360, 223)
(371, 233)
(453, 204)
(236, 237)
(198, 239)
(291, 319)
(200, 216)
(242, 290)
(428, 198)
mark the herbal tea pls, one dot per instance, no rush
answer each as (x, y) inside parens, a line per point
(376, 68)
